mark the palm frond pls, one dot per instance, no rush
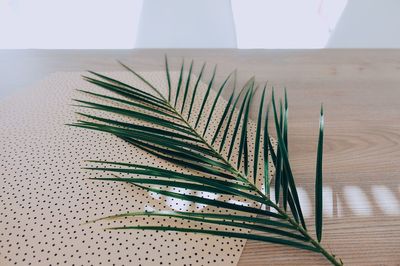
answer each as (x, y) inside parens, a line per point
(216, 162)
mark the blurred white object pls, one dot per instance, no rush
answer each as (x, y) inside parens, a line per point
(186, 24)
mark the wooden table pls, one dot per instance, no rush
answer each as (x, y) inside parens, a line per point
(360, 90)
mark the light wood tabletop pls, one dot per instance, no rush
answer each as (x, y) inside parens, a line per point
(360, 90)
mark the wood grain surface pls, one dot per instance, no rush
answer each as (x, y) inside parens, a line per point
(360, 90)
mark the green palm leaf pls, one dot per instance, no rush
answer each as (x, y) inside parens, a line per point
(155, 124)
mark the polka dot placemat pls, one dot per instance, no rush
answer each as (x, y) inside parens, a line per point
(46, 197)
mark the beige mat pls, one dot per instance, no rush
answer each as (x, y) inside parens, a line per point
(45, 196)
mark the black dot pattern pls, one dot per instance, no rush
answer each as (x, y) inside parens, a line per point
(46, 198)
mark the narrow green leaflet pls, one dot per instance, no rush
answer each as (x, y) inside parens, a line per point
(195, 90)
(243, 139)
(267, 147)
(223, 233)
(318, 179)
(221, 122)
(187, 86)
(180, 215)
(215, 102)
(178, 88)
(271, 148)
(212, 215)
(258, 136)
(199, 115)
(284, 178)
(285, 122)
(168, 78)
(160, 182)
(293, 207)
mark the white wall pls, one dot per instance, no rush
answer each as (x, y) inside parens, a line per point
(69, 24)
(285, 24)
(246, 24)
(368, 24)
